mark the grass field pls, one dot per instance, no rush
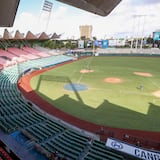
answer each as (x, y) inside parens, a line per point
(121, 105)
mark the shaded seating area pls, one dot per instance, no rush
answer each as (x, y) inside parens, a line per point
(50, 135)
(40, 132)
(99, 151)
(4, 155)
(15, 112)
(69, 144)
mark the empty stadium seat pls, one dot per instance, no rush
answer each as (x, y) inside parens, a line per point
(17, 114)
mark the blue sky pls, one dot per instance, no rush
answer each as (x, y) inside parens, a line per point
(130, 18)
(32, 6)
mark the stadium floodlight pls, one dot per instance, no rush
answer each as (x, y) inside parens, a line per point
(8, 10)
(45, 14)
(99, 7)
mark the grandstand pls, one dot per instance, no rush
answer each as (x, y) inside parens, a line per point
(28, 133)
(42, 133)
(11, 57)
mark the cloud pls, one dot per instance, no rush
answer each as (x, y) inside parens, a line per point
(143, 2)
(60, 13)
(125, 19)
(25, 21)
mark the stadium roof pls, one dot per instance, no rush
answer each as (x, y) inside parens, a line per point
(8, 8)
(7, 35)
(100, 7)
(30, 36)
(18, 35)
(43, 36)
(55, 36)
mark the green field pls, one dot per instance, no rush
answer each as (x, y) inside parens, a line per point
(121, 105)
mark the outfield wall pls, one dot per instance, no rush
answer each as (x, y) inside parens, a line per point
(128, 51)
(129, 54)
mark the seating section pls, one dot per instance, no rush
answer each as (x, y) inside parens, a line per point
(4, 155)
(69, 144)
(5, 62)
(42, 131)
(11, 56)
(35, 52)
(99, 151)
(50, 135)
(14, 110)
(1, 66)
(22, 53)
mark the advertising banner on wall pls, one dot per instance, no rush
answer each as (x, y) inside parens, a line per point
(109, 43)
(116, 42)
(96, 43)
(105, 43)
(156, 36)
(112, 42)
(101, 43)
(80, 44)
(132, 150)
(120, 42)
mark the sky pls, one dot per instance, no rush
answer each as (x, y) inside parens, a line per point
(131, 18)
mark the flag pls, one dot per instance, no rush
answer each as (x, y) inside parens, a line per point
(47, 6)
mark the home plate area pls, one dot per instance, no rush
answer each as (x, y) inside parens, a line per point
(75, 87)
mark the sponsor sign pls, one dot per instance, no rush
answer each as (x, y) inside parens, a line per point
(105, 44)
(116, 42)
(80, 44)
(132, 150)
(156, 36)
(98, 43)
(120, 42)
(112, 42)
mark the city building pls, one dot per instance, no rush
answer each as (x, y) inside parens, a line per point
(85, 31)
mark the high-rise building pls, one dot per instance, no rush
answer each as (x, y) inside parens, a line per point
(86, 31)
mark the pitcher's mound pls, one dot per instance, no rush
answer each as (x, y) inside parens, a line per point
(113, 80)
(144, 74)
(86, 71)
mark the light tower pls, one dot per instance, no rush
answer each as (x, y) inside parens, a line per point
(45, 14)
(139, 29)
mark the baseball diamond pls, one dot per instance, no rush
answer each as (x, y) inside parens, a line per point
(113, 97)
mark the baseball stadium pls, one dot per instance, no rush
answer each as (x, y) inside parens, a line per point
(90, 105)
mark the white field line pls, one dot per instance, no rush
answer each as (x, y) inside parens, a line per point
(135, 93)
(88, 67)
(124, 92)
(155, 84)
(80, 78)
